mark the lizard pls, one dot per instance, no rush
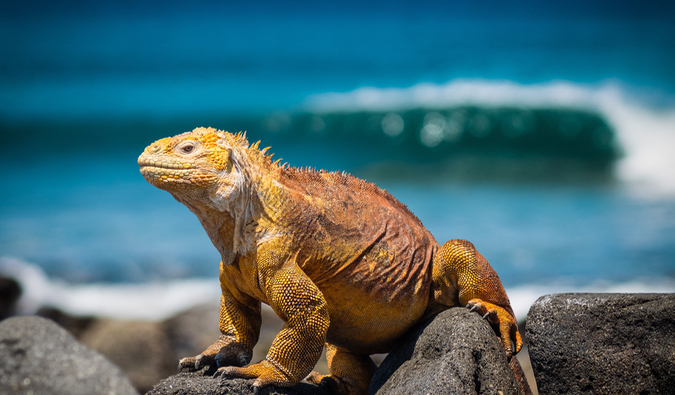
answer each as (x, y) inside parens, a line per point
(344, 264)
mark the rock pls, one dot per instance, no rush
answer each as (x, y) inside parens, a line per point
(603, 343)
(10, 291)
(140, 348)
(76, 325)
(39, 357)
(148, 351)
(456, 352)
(192, 331)
(203, 383)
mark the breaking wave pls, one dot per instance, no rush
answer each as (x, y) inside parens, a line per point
(640, 135)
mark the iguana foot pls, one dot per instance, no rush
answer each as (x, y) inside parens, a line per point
(350, 373)
(265, 373)
(330, 383)
(224, 352)
(505, 322)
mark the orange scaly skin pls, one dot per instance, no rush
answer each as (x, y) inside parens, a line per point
(339, 260)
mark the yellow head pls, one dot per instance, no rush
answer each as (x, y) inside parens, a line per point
(192, 163)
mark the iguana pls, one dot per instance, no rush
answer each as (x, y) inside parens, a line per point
(340, 261)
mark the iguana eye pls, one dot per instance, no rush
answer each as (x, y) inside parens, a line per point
(187, 147)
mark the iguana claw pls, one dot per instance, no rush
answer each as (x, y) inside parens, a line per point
(182, 365)
(187, 363)
(224, 352)
(503, 320)
(265, 373)
(198, 361)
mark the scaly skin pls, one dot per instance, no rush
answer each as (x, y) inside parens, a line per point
(339, 260)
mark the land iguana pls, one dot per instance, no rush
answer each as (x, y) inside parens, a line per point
(339, 260)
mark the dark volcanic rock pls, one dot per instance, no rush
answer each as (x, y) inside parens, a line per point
(603, 343)
(203, 383)
(37, 356)
(455, 353)
(10, 291)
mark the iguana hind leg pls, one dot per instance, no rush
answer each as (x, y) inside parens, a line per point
(462, 276)
(350, 373)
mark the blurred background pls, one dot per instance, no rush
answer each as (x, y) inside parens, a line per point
(543, 132)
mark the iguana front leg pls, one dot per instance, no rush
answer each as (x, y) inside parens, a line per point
(239, 324)
(298, 346)
(463, 276)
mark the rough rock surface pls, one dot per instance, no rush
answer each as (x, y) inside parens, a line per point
(456, 352)
(39, 357)
(203, 383)
(603, 343)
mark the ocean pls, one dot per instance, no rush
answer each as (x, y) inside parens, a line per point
(543, 133)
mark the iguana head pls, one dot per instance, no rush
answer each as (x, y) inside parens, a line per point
(196, 167)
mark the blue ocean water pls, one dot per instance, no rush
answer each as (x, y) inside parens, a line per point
(542, 132)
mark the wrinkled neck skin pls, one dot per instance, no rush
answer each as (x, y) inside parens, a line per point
(229, 211)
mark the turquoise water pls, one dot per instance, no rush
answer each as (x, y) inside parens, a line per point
(543, 133)
(94, 218)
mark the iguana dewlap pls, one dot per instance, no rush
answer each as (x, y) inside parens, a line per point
(339, 260)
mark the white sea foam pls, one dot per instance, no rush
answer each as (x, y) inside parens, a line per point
(147, 301)
(646, 135)
(158, 301)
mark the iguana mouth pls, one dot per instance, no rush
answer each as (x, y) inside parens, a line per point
(146, 163)
(163, 171)
(166, 172)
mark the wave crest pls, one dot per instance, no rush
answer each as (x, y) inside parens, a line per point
(645, 135)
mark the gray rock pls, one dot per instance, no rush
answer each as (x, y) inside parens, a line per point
(140, 348)
(603, 343)
(145, 351)
(39, 357)
(203, 383)
(456, 352)
(149, 351)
